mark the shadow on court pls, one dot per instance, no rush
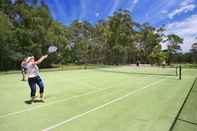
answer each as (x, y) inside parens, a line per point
(35, 101)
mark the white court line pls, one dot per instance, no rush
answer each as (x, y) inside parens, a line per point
(58, 101)
(101, 106)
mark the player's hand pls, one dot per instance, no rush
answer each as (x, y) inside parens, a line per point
(45, 56)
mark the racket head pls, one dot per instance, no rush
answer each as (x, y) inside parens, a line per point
(52, 49)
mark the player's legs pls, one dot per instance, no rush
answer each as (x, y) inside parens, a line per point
(32, 84)
(40, 83)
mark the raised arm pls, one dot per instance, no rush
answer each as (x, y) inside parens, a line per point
(41, 59)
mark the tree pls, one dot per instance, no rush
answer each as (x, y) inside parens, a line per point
(81, 36)
(27, 28)
(173, 46)
(57, 35)
(194, 53)
(148, 39)
(8, 44)
(118, 33)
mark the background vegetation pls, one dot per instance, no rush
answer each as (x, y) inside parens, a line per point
(28, 29)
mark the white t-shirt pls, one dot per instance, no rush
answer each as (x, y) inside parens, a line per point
(32, 70)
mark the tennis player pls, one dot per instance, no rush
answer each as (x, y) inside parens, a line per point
(34, 77)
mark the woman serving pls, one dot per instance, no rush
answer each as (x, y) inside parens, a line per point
(34, 77)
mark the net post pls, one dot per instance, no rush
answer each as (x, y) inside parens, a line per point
(180, 72)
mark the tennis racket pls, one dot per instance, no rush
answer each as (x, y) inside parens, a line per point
(52, 49)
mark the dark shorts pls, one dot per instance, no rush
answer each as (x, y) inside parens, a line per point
(33, 82)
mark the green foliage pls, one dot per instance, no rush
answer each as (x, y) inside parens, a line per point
(149, 39)
(193, 53)
(174, 42)
(117, 33)
(8, 45)
(28, 29)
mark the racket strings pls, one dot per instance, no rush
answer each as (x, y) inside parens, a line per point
(52, 49)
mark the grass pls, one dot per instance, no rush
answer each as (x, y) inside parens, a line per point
(189, 66)
(105, 99)
(187, 119)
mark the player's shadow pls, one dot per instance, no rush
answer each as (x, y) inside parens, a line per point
(28, 102)
(35, 101)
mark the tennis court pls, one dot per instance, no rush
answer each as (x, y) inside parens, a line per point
(122, 98)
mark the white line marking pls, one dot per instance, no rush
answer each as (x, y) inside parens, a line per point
(58, 101)
(101, 106)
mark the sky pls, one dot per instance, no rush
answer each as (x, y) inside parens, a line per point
(177, 16)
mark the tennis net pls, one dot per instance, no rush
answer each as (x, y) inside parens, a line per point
(145, 70)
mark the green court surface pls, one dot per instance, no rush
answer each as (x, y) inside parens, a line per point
(187, 119)
(105, 99)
